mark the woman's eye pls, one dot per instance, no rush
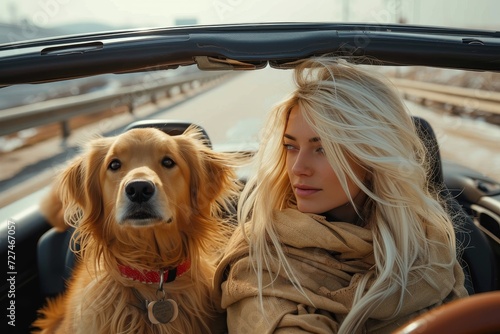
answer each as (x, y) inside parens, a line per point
(288, 147)
(168, 163)
(115, 164)
(320, 150)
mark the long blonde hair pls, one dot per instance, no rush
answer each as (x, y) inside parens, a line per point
(357, 115)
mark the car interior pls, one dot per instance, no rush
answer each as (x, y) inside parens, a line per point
(56, 259)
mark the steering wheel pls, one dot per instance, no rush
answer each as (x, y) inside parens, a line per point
(478, 314)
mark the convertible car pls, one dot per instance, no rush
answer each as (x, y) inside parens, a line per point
(37, 260)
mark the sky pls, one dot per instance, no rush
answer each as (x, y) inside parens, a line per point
(163, 13)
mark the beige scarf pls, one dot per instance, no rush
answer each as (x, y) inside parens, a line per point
(329, 259)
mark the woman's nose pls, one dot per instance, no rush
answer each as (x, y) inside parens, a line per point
(302, 165)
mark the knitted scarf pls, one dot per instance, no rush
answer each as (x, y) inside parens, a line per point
(329, 259)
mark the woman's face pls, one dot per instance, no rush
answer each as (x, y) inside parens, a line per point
(315, 184)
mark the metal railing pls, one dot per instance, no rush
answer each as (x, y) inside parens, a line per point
(61, 110)
(467, 99)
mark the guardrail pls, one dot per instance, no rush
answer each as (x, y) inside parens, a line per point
(61, 110)
(470, 100)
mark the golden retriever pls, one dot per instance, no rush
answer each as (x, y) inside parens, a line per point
(146, 206)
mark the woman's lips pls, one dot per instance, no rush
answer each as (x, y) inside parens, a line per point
(305, 191)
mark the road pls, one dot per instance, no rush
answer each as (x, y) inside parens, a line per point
(232, 113)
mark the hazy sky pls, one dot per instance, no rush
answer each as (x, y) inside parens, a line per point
(154, 13)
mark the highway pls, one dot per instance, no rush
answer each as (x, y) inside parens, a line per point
(232, 113)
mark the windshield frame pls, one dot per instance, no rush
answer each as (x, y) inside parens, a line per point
(245, 47)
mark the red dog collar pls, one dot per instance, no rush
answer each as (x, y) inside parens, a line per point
(153, 277)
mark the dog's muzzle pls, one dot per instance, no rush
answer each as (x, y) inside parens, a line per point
(139, 191)
(141, 207)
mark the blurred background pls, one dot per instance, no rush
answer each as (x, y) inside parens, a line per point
(29, 19)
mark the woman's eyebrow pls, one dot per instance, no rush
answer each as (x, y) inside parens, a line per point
(312, 140)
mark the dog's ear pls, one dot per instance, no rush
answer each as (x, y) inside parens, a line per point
(214, 179)
(77, 188)
(195, 132)
(88, 191)
(219, 176)
(61, 196)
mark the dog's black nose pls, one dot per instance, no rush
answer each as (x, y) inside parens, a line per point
(140, 191)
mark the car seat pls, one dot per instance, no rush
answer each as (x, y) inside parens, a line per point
(56, 261)
(475, 253)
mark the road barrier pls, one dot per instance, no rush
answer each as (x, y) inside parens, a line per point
(466, 99)
(61, 110)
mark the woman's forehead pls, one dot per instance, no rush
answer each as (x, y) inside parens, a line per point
(298, 128)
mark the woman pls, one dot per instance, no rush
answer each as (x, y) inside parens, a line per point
(338, 229)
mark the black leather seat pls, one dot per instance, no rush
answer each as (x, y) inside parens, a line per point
(56, 261)
(475, 253)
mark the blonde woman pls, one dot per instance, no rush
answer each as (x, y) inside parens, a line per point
(339, 231)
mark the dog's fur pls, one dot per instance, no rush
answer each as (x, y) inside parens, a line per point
(182, 220)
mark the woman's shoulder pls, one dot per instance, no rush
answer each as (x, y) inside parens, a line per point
(237, 247)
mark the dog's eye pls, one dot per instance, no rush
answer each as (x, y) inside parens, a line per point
(115, 164)
(167, 162)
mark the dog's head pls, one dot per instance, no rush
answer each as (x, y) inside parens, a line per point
(146, 192)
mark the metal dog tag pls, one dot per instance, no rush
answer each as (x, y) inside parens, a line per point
(162, 311)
